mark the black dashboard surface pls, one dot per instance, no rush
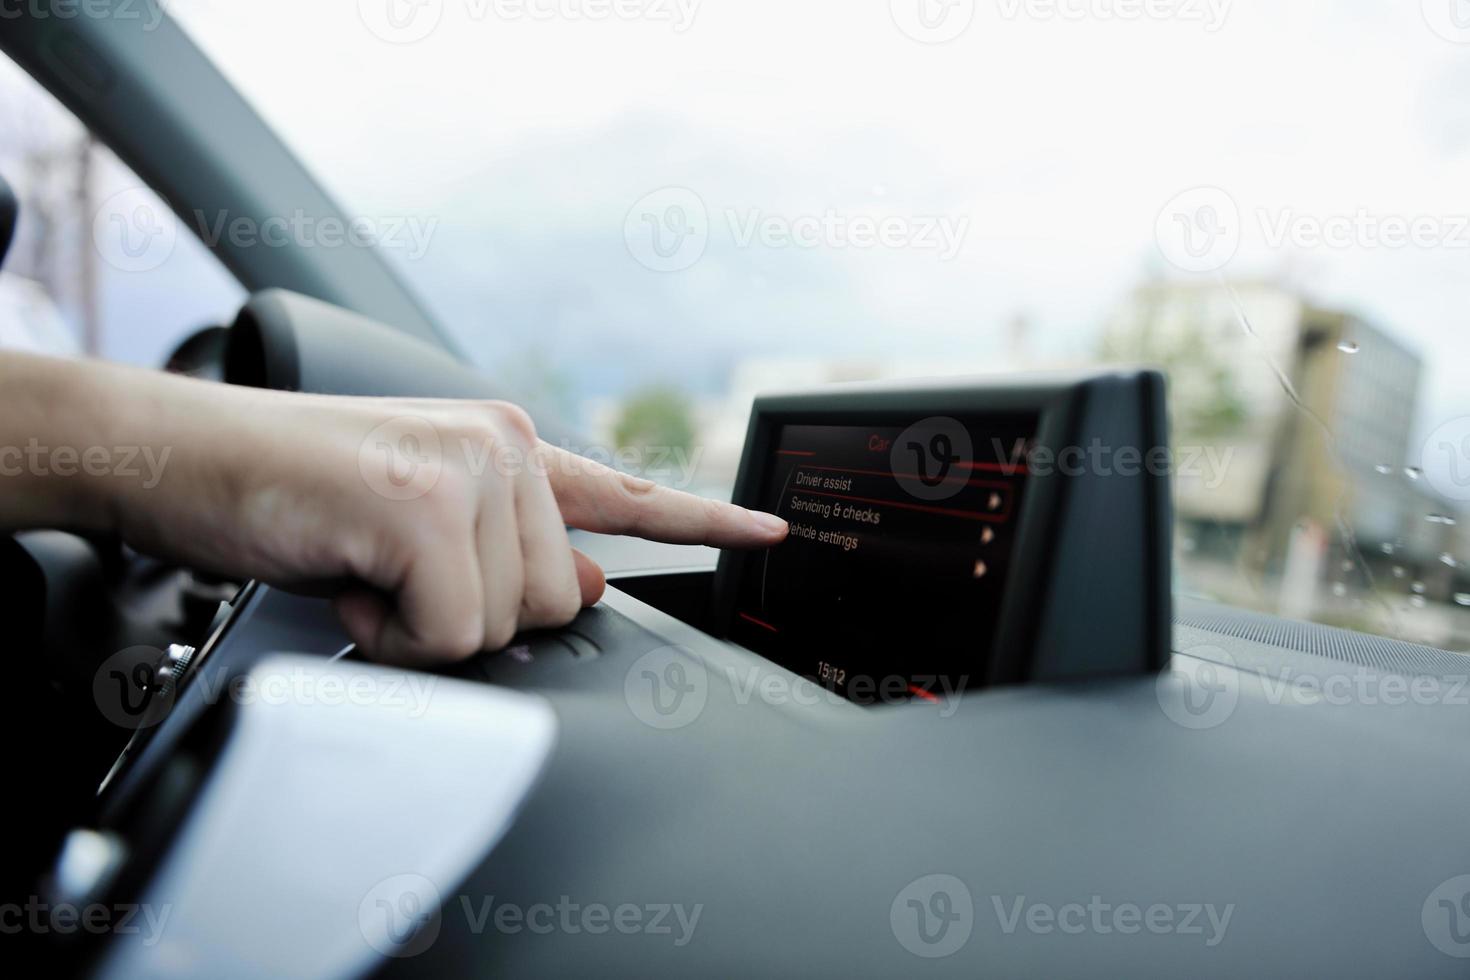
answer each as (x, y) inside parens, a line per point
(1100, 828)
(1326, 829)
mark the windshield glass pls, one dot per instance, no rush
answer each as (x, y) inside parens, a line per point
(648, 210)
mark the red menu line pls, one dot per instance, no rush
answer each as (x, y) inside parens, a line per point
(974, 482)
(1016, 468)
(761, 623)
(919, 692)
(968, 515)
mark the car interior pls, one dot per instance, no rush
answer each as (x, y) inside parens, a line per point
(963, 722)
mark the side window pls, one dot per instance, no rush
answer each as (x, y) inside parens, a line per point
(99, 266)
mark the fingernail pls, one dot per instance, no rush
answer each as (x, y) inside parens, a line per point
(768, 522)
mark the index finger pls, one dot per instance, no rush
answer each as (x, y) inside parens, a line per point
(595, 497)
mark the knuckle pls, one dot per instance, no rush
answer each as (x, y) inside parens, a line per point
(447, 510)
(551, 607)
(711, 515)
(463, 644)
(568, 604)
(445, 647)
(634, 500)
(455, 637)
(711, 509)
(636, 486)
(516, 421)
(499, 632)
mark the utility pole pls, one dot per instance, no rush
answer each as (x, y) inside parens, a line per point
(88, 302)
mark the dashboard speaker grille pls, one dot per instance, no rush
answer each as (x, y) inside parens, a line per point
(1378, 652)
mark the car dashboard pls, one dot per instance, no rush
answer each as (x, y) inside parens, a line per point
(1059, 830)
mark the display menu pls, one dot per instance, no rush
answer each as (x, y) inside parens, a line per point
(891, 581)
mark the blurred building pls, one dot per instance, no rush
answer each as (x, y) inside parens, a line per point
(1293, 426)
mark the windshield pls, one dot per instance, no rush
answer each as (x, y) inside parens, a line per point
(648, 210)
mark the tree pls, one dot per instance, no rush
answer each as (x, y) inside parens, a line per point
(656, 417)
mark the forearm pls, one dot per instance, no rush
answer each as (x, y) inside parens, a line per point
(79, 438)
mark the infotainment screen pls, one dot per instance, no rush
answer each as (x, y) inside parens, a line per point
(901, 540)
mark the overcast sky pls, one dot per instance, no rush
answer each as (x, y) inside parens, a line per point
(1058, 139)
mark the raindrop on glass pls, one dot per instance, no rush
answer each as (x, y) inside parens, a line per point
(1349, 347)
(1462, 598)
(1339, 589)
(1448, 559)
(1398, 571)
(1413, 472)
(1417, 601)
(1383, 469)
(1387, 547)
(1440, 519)
(1418, 588)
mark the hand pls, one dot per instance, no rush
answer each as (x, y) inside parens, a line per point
(437, 527)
